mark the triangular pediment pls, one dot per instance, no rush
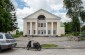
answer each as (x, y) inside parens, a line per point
(47, 14)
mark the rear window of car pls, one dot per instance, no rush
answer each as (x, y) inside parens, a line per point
(8, 36)
(1, 36)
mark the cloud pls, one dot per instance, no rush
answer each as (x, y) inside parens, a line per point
(34, 5)
(53, 6)
(22, 13)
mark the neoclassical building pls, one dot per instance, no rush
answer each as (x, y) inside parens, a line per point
(43, 23)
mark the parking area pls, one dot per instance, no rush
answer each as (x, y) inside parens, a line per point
(20, 51)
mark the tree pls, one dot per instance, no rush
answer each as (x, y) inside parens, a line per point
(68, 27)
(74, 9)
(7, 16)
(82, 14)
(83, 28)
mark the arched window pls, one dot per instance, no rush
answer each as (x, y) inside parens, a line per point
(41, 17)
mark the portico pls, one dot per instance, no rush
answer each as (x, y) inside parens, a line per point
(42, 23)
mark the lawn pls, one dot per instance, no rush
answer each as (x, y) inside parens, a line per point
(49, 46)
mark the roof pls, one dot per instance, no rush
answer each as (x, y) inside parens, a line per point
(45, 11)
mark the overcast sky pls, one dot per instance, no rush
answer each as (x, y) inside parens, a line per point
(26, 7)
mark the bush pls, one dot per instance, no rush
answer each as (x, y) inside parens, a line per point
(82, 34)
(76, 33)
(82, 38)
(16, 36)
(21, 33)
(62, 35)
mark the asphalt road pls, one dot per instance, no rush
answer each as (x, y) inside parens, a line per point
(20, 51)
(60, 41)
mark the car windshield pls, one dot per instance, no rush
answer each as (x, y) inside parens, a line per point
(8, 36)
(1, 36)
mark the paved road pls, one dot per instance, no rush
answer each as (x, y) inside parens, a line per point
(60, 41)
(20, 51)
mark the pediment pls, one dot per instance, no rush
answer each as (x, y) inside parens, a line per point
(47, 14)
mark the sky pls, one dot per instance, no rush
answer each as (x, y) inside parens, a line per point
(27, 7)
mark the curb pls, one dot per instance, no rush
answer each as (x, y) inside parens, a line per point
(59, 48)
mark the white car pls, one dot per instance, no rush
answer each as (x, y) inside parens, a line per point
(7, 41)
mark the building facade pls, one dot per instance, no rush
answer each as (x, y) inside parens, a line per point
(43, 23)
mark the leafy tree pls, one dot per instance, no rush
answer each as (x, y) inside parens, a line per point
(68, 27)
(17, 32)
(74, 9)
(7, 16)
(83, 28)
(82, 14)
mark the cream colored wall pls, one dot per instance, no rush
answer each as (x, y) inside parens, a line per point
(62, 30)
(33, 26)
(49, 26)
(55, 25)
(58, 29)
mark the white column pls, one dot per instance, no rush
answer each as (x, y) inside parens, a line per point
(25, 28)
(30, 28)
(51, 28)
(36, 28)
(46, 28)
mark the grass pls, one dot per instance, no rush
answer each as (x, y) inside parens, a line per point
(49, 46)
(82, 38)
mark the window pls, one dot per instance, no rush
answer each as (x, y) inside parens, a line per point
(38, 24)
(41, 24)
(1, 36)
(42, 32)
(49, 32)
(54, 31)
(8, 36)
(41, 17)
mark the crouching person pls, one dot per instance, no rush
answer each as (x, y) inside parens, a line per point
(29, 45)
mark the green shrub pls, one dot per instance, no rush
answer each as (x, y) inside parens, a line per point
(62, 35)
(82, 38)
(49, 46)
(16, 36)
(21, 33)
(76, 33)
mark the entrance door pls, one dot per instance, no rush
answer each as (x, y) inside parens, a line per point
(42, 32)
